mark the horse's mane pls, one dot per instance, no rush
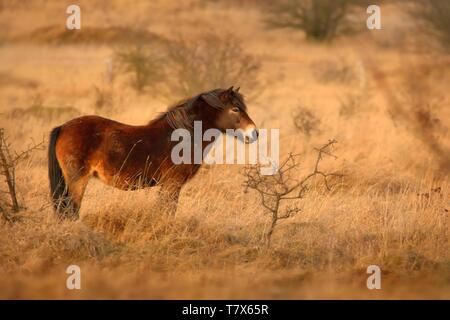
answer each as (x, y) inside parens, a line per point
(179, 115)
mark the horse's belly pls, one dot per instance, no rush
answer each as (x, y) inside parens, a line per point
(125, 180)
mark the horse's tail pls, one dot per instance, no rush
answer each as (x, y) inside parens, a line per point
(58, 188)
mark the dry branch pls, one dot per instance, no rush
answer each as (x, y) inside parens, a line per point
(8, 163)
(283, 186)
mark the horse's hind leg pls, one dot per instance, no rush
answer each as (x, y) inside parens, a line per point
(75, 191)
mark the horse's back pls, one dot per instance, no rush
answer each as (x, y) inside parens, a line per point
(83, 134)
(89, 123)
(106, 148)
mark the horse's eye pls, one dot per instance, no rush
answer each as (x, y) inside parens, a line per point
(235, 109)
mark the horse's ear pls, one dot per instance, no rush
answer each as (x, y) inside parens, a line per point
(212, 100)
(237, 90)
(230, 90)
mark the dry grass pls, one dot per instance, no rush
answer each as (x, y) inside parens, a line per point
(391, 208)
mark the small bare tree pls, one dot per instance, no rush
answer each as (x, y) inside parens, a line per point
(283, 186)
(8, 163)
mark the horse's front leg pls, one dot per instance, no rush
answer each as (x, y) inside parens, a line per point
(169, 195)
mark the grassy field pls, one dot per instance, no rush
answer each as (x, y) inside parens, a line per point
(382, 94)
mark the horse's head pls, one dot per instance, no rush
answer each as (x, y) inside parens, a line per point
(231, 113)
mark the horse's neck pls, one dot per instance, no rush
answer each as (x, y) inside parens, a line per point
(168, 129)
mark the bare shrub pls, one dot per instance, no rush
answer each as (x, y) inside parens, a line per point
(210, 61)
(142, 63)
(435, 18)
(305, 121)
(184, 67)
(321, 20)
(283, 186)
(8, 163)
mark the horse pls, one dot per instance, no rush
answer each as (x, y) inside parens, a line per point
(131, 157)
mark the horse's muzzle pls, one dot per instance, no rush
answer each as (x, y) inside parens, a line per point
(251, 135)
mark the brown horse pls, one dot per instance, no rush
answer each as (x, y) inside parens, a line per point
(130, 157)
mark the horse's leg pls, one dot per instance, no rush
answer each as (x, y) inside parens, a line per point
(75, 179)
(76, 188)
(169, 194)
(75, 172)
